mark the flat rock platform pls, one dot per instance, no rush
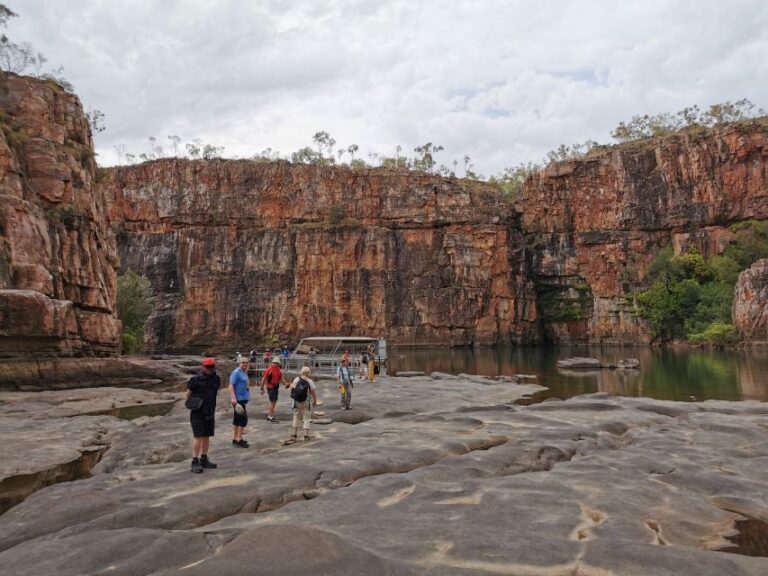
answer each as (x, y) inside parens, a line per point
(445, 476)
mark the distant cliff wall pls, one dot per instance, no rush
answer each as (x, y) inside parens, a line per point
(238, 250)
(58, 255)
(595, 225)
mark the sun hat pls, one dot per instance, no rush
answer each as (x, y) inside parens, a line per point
(276, 361)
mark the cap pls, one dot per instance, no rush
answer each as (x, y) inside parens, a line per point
(209, 362)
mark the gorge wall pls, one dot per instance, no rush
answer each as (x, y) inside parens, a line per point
(595, 225)
(238, 250)
(58, 256)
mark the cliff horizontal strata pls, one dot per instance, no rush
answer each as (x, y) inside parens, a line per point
(238, 250)
(57, 253)
(594, 225)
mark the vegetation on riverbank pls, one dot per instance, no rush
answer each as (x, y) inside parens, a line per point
(690, 297)
(133, 308)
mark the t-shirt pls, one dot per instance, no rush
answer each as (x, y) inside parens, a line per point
(206, 386)
(239, 380)
(273, 375)
(344, 373)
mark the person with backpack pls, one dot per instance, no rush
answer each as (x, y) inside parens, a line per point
(344, 376)
(304, 398)
(272, 378)
(239, 396)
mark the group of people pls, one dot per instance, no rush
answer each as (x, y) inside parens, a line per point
(203, 388)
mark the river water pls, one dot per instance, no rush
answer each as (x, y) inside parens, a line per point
(664, 374)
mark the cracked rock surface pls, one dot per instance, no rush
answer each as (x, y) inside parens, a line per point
(422, 476)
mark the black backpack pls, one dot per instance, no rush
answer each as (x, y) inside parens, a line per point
(300, 391)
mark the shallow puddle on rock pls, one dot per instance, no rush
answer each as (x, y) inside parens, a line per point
(751, 538)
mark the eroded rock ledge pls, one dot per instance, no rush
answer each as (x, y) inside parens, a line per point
(440, 477)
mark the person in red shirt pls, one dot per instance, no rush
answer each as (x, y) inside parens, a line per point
(273, 377)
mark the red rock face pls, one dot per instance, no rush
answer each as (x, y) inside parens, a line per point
(596, 224)
(57, 252)
(238, 250)
(750, 303)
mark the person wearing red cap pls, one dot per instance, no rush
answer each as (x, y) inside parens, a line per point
(204, 385)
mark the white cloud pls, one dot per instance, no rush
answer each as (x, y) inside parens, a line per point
(501, 81)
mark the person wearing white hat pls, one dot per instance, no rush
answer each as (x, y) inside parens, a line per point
(272, 378)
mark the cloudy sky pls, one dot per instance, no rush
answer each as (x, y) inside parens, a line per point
(503, 81)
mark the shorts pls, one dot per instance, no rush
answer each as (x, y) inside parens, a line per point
(241, 419)
(201, 428)
(272, 393)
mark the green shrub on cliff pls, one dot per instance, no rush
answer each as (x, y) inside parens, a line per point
(691, 297)
(133, 307)
(649, 126)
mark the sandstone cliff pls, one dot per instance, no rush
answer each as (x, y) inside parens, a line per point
(57, 253)
(594, 225)
(750, 303)
(239, 250)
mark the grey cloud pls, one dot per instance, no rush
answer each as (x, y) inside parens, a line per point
(503, 81)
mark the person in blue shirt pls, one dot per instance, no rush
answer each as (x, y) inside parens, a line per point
(239, 396)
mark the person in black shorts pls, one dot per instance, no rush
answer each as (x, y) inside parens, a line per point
(204, 385)
(273, 377)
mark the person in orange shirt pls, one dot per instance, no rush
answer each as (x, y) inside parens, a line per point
(273, 377)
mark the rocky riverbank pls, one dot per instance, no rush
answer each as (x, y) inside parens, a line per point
(422, 476)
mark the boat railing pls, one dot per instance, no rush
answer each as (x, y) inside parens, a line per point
(321, 365)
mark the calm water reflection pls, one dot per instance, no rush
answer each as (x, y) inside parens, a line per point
(663, 374)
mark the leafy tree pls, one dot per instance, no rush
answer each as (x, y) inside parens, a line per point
(647, 126)
(133, 308)
(175, 142)
(210, 152)
(266, 155)
(425, 157)
(95, 120)
(691, 296)
(306, 155)
(511, 179)
(751, 243)
(194, 148)
(325, 144)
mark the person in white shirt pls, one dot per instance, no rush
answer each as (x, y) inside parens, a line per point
(304, 398)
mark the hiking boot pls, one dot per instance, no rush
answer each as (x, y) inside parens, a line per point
(291, 440)
(347, 407)
(205, 463)
(243, 443)
(308, 436)
(196, 466)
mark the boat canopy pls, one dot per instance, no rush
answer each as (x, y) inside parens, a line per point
(336, 345)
